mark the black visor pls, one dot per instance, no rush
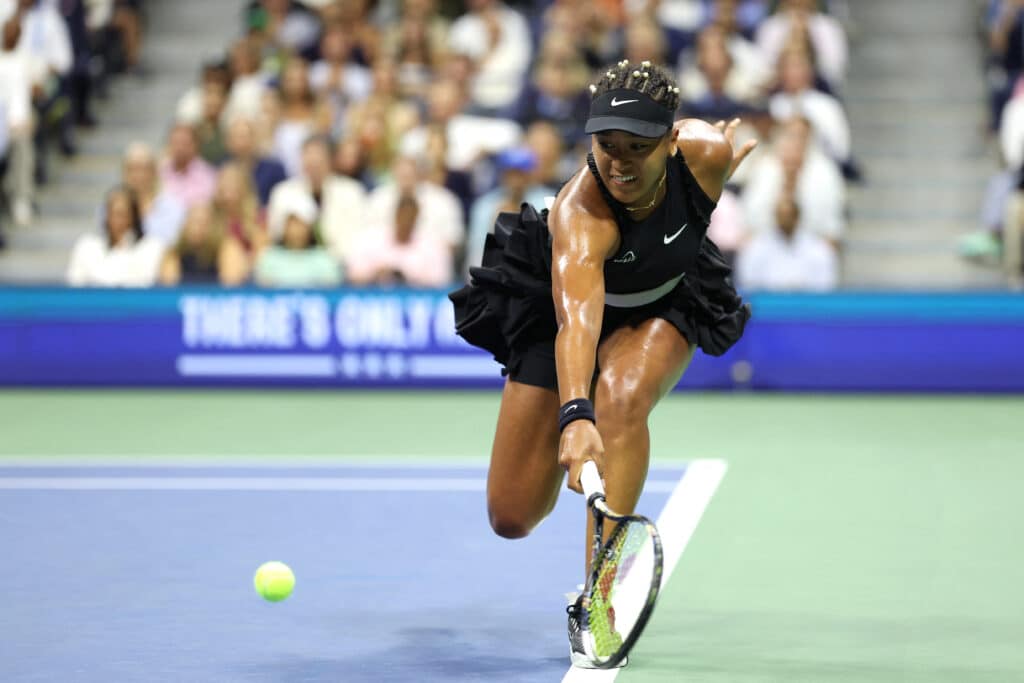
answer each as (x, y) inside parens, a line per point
(631, 111)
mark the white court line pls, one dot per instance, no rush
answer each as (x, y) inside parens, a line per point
(243, 461)
(340, 461)
(240, 484)
(361, 484)
(676, 524)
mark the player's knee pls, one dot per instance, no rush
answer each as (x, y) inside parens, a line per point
(508, 524)
(623, 398)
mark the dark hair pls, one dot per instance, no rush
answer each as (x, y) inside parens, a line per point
(407, 202)
(133, 201)
(653, 80)
(319, 140)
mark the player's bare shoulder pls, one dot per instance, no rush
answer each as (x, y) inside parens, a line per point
(580, 209)
(707, 153)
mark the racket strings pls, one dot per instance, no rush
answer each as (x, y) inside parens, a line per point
(619, 557)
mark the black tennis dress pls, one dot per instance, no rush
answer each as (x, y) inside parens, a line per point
(665, 267)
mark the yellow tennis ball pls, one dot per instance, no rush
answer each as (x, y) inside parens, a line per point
(274, 581)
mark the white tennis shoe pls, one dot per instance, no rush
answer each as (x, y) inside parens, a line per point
(581, 642)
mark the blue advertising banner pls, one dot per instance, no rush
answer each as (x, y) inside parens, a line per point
(405, 338)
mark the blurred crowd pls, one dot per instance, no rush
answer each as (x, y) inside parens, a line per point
(55, 57)
(1001, 238)
(374, 142)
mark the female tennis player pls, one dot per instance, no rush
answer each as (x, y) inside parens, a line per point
(595, 308)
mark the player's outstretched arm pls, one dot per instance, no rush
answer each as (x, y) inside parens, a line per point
(584, 234)
(710, 151)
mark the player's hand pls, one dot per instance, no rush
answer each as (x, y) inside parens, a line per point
(580, 442)
(738, 155)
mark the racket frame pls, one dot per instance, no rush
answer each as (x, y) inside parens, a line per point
(594, 491)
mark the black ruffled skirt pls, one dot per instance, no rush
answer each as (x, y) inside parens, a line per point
(507, 307)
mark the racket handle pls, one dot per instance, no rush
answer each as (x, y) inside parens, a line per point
(590, 478)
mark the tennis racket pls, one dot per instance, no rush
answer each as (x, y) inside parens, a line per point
(625, 577)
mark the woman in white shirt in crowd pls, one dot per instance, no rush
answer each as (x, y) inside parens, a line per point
(120, 256)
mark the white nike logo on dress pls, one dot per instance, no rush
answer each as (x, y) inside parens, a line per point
(670, 240)
(616, 102)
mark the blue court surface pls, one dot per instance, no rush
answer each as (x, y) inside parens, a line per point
(144, 573)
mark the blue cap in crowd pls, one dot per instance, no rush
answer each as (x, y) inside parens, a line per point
(516, 159)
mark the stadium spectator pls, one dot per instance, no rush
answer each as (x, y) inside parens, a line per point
(785, 258)
(381, 121)
(236, 210)
(799, 98)
(439, 212)
(265, 171)
(986, 244)
(469, 138)
(120, 256)
(402, 251)
(554, 166)
(117, 28)
(712, 89)
(1005, 24)
(824, 34)
(341, 201)
(417, 41)
(497, 39)
(352, 161)
(1011, 132)
(190, 106)
(335, 78)
(1013, 241)
(209, 128)
(416, 61)
(741, 17)
(46, 47)
(162, 213)
(735, 20)
(728, 227)
(436, 169)
(248, 83)
(79, 84)
(302, 115)
(796, 162)
(595, 28)
(297, 260)
(645, 41)
(285, 25)
(237, 219)
(184, 173)
(354, 15)
(193, 259)
(17, 154)
(557, 91)
(516, 167)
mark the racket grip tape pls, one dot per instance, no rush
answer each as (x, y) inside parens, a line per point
(590, 478)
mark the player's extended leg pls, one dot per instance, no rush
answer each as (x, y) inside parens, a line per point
(524, 479)
(638, 365)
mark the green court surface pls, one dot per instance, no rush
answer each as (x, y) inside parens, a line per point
(852, 539)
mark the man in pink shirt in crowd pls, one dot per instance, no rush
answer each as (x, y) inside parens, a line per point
(402, 253)
(184, 174)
